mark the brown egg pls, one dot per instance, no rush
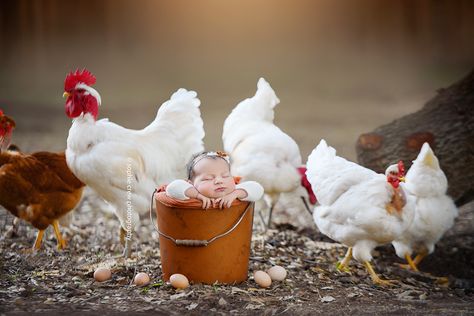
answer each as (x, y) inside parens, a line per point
(141, 279)
(179, 281)
(102, 274)
(277, 273)
(262, 278)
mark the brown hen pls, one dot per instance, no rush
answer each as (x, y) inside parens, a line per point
(38, 188)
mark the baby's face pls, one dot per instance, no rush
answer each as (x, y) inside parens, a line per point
(212, 178)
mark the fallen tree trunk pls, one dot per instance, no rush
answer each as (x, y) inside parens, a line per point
(446, 122)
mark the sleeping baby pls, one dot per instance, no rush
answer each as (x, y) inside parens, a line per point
(210, 180)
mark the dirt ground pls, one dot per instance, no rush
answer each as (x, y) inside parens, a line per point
(53, 282)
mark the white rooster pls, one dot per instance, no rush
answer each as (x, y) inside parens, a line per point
(259, 150)
(356, 206)
(122, 165)
(434, 211)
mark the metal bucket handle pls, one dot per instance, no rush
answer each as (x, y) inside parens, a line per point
(194, 242)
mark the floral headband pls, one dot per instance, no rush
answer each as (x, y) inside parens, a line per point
(208, 154)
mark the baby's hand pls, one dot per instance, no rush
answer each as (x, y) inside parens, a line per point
(226, 201)
(206, 202)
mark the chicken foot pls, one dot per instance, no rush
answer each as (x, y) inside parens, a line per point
(412, 264)
(375, 278)
(343, 265)
(59, 237)
(420, 257)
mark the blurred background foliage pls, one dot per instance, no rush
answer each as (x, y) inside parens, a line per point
(340, 68)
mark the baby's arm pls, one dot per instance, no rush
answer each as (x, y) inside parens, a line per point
(246, 191)
(183, 190)
(253, 190)
(177, 189)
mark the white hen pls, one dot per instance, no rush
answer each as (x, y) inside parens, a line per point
(124, 166)
(434, 211)
(259, 150)
(355, 206)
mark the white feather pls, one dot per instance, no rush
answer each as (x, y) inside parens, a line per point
(114, 160)
(353, 203)
(434, 211)
(260, 151)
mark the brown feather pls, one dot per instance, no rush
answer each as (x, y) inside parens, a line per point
(38, 188)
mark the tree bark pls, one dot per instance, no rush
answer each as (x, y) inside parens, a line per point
(446, 122)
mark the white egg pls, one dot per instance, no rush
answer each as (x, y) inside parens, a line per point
(179, 281)
(262, 278)
(277, 273)
(141, 279)
(102, 274)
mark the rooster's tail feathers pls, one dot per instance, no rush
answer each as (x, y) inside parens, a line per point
(183, 94)
(264, 90)
(427, 157)
(182, 100)
(322, 152)
(181, 118)
(318, 158)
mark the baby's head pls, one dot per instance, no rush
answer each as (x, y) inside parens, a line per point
(209, 172)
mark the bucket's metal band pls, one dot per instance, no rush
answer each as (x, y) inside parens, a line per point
(195, 242)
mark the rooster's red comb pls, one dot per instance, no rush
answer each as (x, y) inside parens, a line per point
(73, 78)
(6, 122)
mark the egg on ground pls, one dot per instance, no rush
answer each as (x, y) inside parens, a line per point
(102, 274)
(179, 281)
(277, 273)
(141, 279)
(262, 278)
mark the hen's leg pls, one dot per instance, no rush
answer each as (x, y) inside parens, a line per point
(444, 281)
(127, 251)
(375, 278)
(411, 264)
(306, 205)
(344, 264)
(126, 243)
(123, 233)
(274, 201)
(420, 257)
(39, 239)
(269, 221)
(59, 237)
(13, 231)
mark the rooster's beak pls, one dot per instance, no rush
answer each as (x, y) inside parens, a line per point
(66, 94)
(402, 179)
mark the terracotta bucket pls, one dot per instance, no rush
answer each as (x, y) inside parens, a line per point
(207, 246)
